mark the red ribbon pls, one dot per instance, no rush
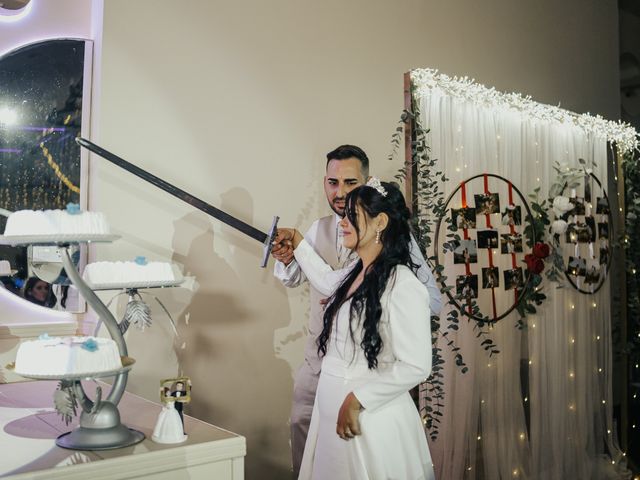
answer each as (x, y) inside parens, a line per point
(490, 251)
(465, 234)
(486, 191)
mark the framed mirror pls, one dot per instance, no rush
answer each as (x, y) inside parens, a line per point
(44, 106)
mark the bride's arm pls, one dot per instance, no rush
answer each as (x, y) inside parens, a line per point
(318, 272)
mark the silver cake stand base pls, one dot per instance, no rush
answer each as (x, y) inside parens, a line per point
(101, 430)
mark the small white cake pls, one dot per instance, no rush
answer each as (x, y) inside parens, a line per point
(119, 273)
(55, 222)
(59, 356)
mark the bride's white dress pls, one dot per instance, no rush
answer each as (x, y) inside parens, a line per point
(393, 443)
(169, 428)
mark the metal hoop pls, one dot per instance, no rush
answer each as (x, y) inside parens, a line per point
(452, 299)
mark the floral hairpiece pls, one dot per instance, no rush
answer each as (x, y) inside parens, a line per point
(374, 182)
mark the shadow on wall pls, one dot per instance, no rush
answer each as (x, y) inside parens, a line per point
(227, 332)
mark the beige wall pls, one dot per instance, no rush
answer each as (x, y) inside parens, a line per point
(237, 102)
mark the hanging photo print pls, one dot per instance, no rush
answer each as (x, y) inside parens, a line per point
(513, 278)
(467, 286)
(510, 243)
(603, 230)
(487, 203)
(602, 206)
(571, 234)
(590, 229)
(487, 238)
(490, 277)
(592, 275)
(604, 251)
(463, 218)
(465, 252)
(577, 267)
(578, 206)
(512, 215)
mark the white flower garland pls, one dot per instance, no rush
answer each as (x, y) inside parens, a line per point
(620, 133)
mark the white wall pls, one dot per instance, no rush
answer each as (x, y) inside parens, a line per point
(237, 103)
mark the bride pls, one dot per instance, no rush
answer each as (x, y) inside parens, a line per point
(376, 346)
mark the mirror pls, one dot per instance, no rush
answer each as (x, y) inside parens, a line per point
(41, 113)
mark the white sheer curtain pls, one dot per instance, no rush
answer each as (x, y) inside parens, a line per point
(484, 433)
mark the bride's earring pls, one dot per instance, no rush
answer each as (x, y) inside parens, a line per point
(377, 236)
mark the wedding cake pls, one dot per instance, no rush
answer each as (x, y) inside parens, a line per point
(56, 222)
(119, 273)
(59, 356)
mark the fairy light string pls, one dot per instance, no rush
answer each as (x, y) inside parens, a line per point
(426, 80)
(56, 169)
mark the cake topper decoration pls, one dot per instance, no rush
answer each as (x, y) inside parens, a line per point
(44, 336)
(140, 260)
(73, 208)
(90, 345)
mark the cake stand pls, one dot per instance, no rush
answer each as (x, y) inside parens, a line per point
(131, 289)
(100, 427)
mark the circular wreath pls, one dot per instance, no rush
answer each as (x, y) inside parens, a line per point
(610, 236)
(446, 288)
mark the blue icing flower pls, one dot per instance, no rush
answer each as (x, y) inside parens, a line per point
(73, 208)
(90, 344)
(44, 336)
(140, 260)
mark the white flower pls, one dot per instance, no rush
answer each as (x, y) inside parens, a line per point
(559, 227)
(561, 205)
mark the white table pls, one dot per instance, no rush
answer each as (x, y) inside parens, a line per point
(30, 425)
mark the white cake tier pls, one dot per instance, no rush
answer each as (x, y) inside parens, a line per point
(60, 356)
(56, 222)
(119, 273)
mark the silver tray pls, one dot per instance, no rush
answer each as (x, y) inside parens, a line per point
(127, 364)
(55, 239)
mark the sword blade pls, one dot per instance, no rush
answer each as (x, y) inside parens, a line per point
(176, 192)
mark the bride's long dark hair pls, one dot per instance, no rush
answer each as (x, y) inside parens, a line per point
(395, 240)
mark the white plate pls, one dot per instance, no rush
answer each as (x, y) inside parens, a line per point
(136, 285)
(127, 363)
(55, 239)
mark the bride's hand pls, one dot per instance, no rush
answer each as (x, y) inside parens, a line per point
(348, 417)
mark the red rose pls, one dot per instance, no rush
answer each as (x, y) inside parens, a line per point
(541, 250)
(534, 264)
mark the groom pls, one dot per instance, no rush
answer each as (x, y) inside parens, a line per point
(347, 168)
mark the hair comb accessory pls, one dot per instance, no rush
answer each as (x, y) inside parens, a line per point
(374, 182)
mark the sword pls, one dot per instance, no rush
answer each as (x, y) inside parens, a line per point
(265, 238)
